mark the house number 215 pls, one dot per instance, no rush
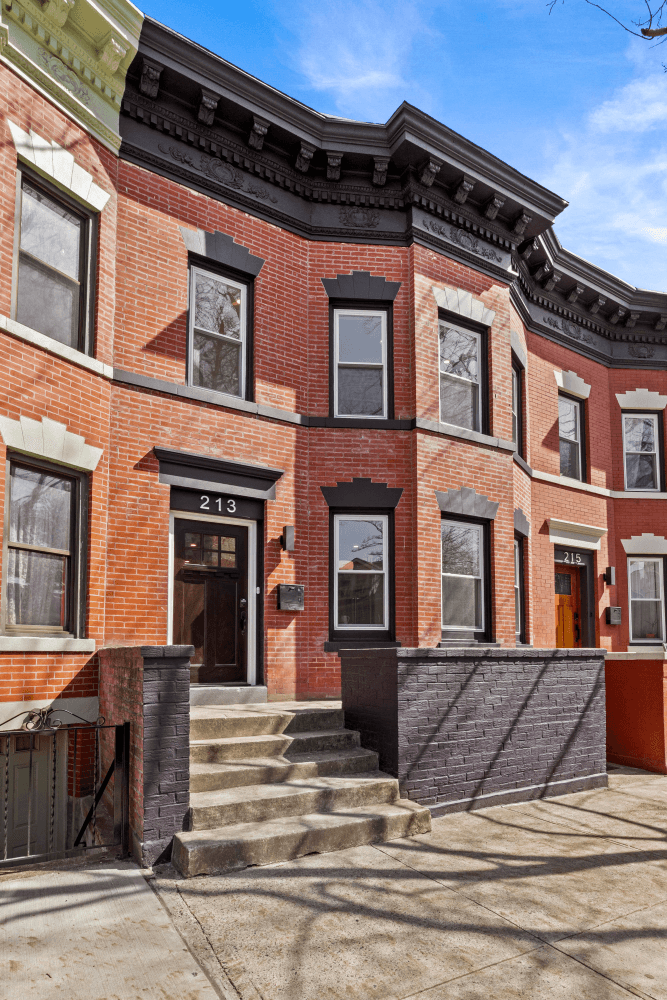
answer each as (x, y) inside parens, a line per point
(218, 502)
(572, 557)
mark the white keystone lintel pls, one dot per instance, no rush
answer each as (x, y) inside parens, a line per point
(571, 383)
(641, 399)
(579, 536)
(645, 545)
(49, 439)
(455, 300)
(51, 160)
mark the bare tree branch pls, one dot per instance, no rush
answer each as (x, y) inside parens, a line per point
(646, 31)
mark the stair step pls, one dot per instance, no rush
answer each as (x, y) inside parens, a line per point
(318, 740)
(296, 797)
(238, 747)
(310, 719)
(216, 723)
(258, 770)
(230, 848)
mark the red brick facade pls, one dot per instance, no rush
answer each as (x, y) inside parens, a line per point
(141, 328)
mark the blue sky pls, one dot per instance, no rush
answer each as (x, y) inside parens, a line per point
(568, 98)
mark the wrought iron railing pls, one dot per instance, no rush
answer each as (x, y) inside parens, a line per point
(64, 787)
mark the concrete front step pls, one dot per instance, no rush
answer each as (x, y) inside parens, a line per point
(262, 770)
(229, 848)
(258, 803)
(235, 747)
(209, 722)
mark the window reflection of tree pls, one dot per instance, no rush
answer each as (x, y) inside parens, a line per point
(217, 307)
(458, 353)
(460, 550)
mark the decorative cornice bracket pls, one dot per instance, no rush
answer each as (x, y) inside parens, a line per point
(208, 103)
(149, 83)
(304, 156)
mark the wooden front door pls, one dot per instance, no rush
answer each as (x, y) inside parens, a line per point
(568, 606)
(211, 599)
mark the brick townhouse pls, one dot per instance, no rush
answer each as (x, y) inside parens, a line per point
(276, 383)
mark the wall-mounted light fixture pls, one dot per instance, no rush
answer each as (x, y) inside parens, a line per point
(287, 538)
(610, 576)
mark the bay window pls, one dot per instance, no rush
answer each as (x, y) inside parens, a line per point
(361, 564)
(360, 350)
(461, 373)
(464, 579)
(218, 336)
(571, 436)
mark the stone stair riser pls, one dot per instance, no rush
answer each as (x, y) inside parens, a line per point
(217, 857)
(214, 753)
(314, 742)
(305, 721)
(240, 725)
(298, 803)
(237, 775)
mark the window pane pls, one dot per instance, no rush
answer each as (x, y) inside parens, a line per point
(217, 306)
(647, 620)
(459, 352)
(515, 405)
(361, 599)
(192, 547)
(360, 392)
(568, 419)
(360, 339)
(36, 588)
(216, 364)
(569, 459)
(40, 508)
(459, 403)
(50, 232)
(517, 587)
(641, 472)
(210, 551)
(644, 579)
(48, 303)
(639, 434)
(461, 549)
(461, 602)
(360, 545)
(563, 584)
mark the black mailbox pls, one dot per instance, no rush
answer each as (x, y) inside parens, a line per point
(613, 616)
(290, 596)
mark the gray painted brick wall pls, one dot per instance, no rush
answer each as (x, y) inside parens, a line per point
(166, 758)
(462, 728)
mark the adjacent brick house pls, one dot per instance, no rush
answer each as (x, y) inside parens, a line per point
(298, 384)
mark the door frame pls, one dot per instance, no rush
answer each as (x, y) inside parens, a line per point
(181, 515)
(584, 560)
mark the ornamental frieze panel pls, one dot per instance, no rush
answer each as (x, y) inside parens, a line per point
(219, 170)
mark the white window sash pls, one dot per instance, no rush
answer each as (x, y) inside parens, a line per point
(462, 378)
(466, 576)
(381, 313)
(652, 600)
(626, 452)
(239, 342)
(338, 519)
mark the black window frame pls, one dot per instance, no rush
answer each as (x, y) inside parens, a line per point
(583, 410)
(361, 305)
(482, 332)
(359, 636)
(77, 582)
(518, 372)
(520, 541)
(466, 636)
(248, 282)
(660, 421)
(88, 256)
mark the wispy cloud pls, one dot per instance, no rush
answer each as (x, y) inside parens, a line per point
(359, 53)
(638, 107)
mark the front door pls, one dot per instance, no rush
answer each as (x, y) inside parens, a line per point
(211, 599)
(568, 607)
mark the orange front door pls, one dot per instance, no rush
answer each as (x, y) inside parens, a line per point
(568, 607)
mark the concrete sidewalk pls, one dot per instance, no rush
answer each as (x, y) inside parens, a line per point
(564, 899)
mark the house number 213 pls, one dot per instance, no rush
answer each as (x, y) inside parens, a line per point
(572, 557)
(217, 502)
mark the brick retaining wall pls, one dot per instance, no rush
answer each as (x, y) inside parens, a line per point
(465, 728)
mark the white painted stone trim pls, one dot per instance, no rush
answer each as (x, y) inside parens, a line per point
(570, 382)
(455, 300)
(569, 533)
(632, 653)
(56, 163)
(641, 399)
(54, 347)
(49, 439)
(601, 491)
(36, 644)
(85, 708)
(645, 545)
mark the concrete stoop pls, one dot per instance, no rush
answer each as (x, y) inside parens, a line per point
(271, 785)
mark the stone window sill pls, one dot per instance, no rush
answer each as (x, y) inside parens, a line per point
(44, 644)
(54, 347)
